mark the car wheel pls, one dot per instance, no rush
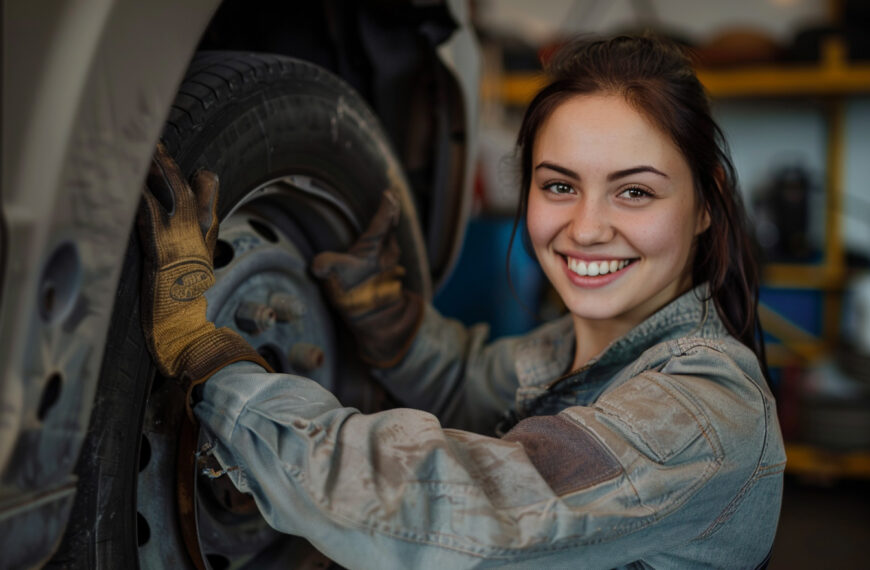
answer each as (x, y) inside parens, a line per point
(302, 164)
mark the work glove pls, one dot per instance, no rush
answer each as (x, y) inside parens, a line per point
(178, 228)
(365, 287)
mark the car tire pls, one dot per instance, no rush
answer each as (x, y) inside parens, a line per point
(297, 146)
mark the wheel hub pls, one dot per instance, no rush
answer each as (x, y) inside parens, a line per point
(263, 291)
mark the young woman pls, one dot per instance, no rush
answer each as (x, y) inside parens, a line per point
(637, 431)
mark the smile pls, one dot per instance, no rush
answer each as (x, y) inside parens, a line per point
(595, 268)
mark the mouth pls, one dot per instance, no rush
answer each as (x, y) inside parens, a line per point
(596, 268)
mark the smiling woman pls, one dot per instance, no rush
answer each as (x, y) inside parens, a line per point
(596, 201)
(638, 431)
(654, 82)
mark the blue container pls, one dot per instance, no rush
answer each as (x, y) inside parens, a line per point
(478, 289)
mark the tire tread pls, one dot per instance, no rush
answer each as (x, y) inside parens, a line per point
(218, 77)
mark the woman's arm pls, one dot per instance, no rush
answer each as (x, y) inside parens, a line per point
(452, 372)
(601, 486)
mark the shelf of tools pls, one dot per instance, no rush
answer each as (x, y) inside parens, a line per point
(791, 348)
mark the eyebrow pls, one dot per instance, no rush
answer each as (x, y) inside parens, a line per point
(636, 170)
(610, 177)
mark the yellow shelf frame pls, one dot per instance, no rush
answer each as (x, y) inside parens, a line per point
(518, 88)
(824, 464)
(797, 81)
(834, 75)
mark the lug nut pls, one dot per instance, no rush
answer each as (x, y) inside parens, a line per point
(287, 307)
(306, 357)
(254, 318)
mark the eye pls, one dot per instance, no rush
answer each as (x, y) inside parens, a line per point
(558, 188)
(636, 193)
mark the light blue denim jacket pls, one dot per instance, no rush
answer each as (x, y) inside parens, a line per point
(662, 452)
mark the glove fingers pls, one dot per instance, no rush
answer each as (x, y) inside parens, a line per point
(163, 178)
(346, 269)
(390, 253)
(205, 188)
(150, 217)
(151, 208)
(370, 296)
(325, 263)
(168, 167)
(387, 215)
(384, 220)
(395, 273)
(170, 188)
(157, 185)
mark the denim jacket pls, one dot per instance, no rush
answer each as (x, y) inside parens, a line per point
(663, 452)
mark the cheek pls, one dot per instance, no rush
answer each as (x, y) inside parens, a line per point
(538, 222)
(667, 236)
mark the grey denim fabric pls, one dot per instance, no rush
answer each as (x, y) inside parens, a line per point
(662, 452)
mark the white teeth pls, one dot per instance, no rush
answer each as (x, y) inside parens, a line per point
(595, 268)
(577, 266)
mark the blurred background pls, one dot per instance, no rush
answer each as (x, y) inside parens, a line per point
(790, 86)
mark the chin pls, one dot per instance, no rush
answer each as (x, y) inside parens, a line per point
(594, 309)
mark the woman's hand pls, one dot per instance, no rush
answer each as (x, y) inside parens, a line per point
(364, 285)
(178, 229)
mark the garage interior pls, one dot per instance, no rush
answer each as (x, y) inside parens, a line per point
(89, 433)
(790, 85)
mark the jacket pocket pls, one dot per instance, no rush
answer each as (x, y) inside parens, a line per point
(656, 418)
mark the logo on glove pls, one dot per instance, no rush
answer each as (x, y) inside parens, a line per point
(191, 285)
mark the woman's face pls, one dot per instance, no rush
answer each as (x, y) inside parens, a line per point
(611, 212)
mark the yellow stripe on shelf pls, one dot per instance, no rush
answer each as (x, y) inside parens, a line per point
(828, 464)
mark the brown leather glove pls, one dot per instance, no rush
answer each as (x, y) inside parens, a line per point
(364, 285)
(178, 228)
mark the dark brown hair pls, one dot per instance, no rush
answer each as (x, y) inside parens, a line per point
(655, 76)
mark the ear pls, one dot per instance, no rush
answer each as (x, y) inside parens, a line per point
(703, 222)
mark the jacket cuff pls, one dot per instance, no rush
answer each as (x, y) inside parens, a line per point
(211, 352)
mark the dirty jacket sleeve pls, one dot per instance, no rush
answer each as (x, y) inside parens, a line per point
(598, 486)
(453, 372)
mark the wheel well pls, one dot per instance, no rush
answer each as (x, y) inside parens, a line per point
(336, 35)
(386, 50)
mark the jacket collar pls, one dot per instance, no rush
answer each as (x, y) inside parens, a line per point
(546, 356)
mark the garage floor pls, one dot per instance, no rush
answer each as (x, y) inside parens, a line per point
(823, 526)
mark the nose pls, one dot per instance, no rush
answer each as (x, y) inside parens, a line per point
(591, 222)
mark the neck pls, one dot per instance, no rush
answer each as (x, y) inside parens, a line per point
(591, 337)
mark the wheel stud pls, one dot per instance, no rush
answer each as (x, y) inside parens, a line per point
(286, 307)
(306, 357)
(254, 318)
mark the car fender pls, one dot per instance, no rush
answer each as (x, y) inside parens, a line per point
(86, 88)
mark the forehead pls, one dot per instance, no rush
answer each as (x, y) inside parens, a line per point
(604, 130)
